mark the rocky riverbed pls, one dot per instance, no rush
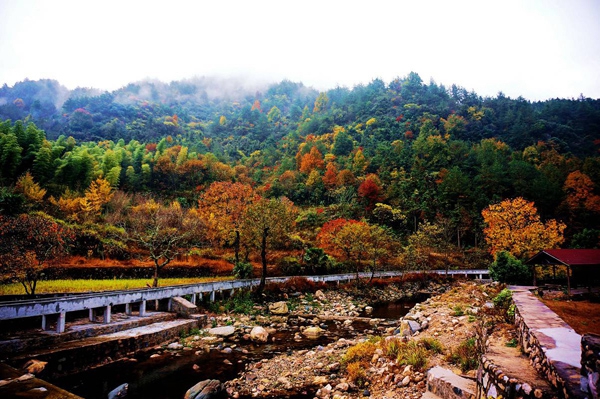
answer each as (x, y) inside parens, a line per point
(448, 318)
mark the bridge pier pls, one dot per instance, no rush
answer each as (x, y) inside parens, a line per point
(91, 316)
(128, 309)
(212, 296)
(60, 323)
(143, 309)
(107, 314)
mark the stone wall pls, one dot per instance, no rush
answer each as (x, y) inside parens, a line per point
(590, 364)
(492, 382)
(537, 355)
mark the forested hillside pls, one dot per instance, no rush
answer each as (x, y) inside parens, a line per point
(405, 156)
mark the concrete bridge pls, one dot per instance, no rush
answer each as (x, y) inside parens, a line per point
(105, 300)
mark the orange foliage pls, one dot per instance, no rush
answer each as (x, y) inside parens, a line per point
(370, 190)
(312, 160)
(515, 226)
(345, 178)
(330, 177)
(580, 192)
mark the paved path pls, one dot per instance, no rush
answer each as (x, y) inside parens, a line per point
(561, 344)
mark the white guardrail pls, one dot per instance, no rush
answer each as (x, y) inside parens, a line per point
(106, 299)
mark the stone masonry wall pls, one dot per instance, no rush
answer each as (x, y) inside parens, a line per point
(492, 382)
(590, 364)
(537, 356)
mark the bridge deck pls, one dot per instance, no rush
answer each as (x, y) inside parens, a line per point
(106, 299)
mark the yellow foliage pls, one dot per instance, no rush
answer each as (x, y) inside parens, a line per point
(371, 122)
(30, 189)
(515, 226)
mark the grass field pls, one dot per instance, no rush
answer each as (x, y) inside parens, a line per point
(65, 286)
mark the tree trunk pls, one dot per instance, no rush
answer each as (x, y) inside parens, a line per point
(263, 257)
(236, 247)
(155, 281)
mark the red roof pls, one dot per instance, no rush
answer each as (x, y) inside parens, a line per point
(571, 257)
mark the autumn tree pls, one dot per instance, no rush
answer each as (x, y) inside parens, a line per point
(222, 207)
(370, 191)
(161, 232)
(330, 176)
(347, 239)
(27, 243)
(311, 160)
(30, 189)
(424, 244)
(380, 245)
(514, 225)
(266, 224)
(579, 189)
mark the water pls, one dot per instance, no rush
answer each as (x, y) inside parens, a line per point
(170, 375)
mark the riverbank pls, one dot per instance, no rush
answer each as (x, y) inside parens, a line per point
(447, 322)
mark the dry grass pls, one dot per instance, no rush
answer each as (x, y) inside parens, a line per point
(72, 286)
(582, 316)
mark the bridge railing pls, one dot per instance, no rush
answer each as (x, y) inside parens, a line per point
(106, 299)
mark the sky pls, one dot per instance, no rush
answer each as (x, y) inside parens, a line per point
(538, 49)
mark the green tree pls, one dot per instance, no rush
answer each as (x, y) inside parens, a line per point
(508, 269)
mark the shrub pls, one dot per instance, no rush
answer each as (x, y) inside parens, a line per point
(241, 302)
(290, 266)
(356, 373)
(243, 270)
(458, 311)
(507, 269)
(414, 354)
(503, 300)
(391, 347)
(466, 355)
(316, 261)
(363, 351)
(432, 345)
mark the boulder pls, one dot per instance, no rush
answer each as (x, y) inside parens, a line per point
(225, 331)
(409, 327)
(207, 389)
(259, 334)
(119, 392)
(279, 308)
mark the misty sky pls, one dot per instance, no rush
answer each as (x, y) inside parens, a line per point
(539, 49)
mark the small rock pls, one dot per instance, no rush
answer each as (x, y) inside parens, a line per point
(225, 331)
(279, 308)
(320, 380)
(259, 334)
(174, 346)
(313, 332)
(38, 389)
(342, 386)
(206, 389)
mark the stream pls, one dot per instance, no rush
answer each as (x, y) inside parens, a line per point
(171, 374)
